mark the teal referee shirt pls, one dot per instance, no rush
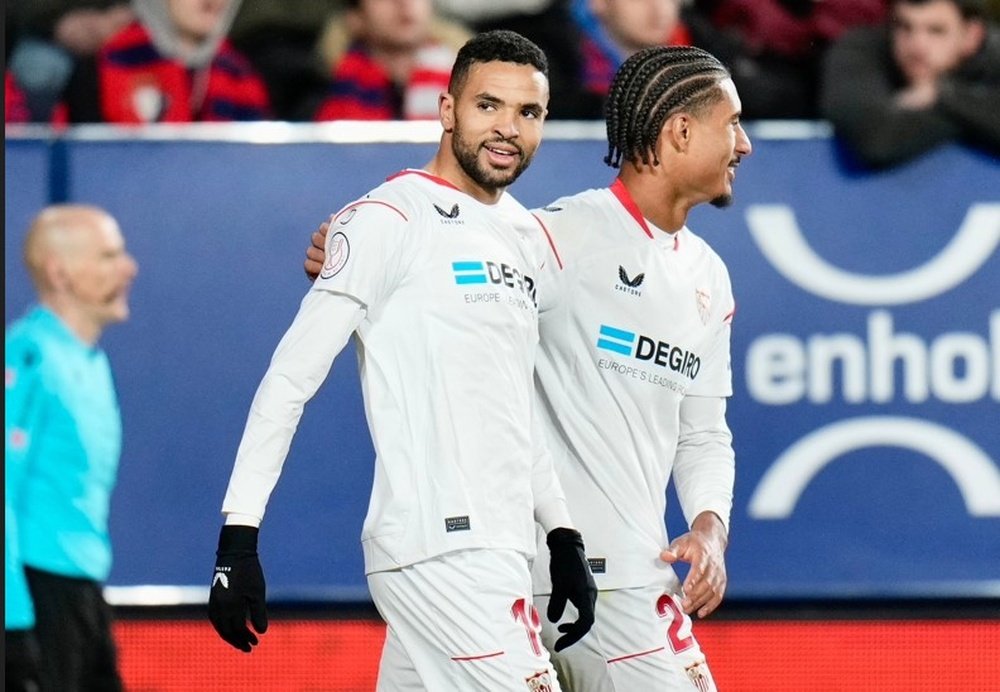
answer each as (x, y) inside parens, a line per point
(63, 439)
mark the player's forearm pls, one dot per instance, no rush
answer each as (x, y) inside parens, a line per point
(300, 364)
(551, 509)
(704, 469)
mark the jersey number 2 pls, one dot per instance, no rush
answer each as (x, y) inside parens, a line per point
(666, 606)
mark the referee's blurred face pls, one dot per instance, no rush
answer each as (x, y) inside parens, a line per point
(496, 120)
(99, 270)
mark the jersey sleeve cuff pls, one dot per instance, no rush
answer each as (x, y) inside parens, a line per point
(553, 514)
(234, 518)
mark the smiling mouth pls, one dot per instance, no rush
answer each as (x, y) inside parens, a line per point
(506, 151)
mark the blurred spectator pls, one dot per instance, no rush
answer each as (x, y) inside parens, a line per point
(49, 39)
(176, 65)
(15, 104)
(585, 40)
(547, 23)
(930, 75)
(611, 31)
(775, 47)
(279, 37)
(62, 430)
(388, 60)
(476, 13)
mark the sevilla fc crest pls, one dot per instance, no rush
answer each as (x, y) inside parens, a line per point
(703, 300)
(540, 682)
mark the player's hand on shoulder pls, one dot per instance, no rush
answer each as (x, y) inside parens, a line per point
(316, 252)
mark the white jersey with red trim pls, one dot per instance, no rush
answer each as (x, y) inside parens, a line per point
(446, 339)
(636, 328)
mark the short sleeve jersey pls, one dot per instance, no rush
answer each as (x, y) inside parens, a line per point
(63, 436)
(638, 320)
(446, 353)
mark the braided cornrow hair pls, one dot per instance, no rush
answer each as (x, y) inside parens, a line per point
(652, 85)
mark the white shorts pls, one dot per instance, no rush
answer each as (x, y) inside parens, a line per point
(641, 640)
(461, 621)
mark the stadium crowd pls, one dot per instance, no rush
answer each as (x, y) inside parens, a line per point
(306, 60)
(895, 77)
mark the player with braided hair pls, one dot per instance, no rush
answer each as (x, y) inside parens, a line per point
(639, 319)
(633, 373)
(651, 88)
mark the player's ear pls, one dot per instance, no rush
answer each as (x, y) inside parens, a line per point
(975, 34)
(446, 111)
(676, 132)
(55, 273)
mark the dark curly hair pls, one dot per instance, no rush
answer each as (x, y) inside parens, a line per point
(495, 46)
(652, 85)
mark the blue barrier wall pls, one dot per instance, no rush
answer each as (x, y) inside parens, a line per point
(866, 355)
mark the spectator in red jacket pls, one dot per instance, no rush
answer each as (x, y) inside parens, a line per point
(388, 60)
(176, 65)
(15, 105)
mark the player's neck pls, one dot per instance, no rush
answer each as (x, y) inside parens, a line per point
(444, 165)
(655, 198)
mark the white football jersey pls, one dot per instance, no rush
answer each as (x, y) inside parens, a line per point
(637, 320)
(446, 349)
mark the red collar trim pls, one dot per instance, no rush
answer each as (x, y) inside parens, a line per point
(619, 190)
(424, 174)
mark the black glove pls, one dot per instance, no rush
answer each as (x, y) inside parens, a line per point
(571, 581)
(237, 587)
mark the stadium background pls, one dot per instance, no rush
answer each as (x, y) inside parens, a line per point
(866, 531)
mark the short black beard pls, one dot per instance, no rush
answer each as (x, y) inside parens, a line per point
(486, 178)
(722, 201)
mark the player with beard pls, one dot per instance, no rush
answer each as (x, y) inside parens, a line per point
(435, 274)
(639, 321)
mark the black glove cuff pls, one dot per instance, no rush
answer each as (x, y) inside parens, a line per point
(238, 539)
(564, 537)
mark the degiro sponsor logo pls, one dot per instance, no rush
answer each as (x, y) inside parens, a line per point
(644, 348)
(472, 272)
(888, 363)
